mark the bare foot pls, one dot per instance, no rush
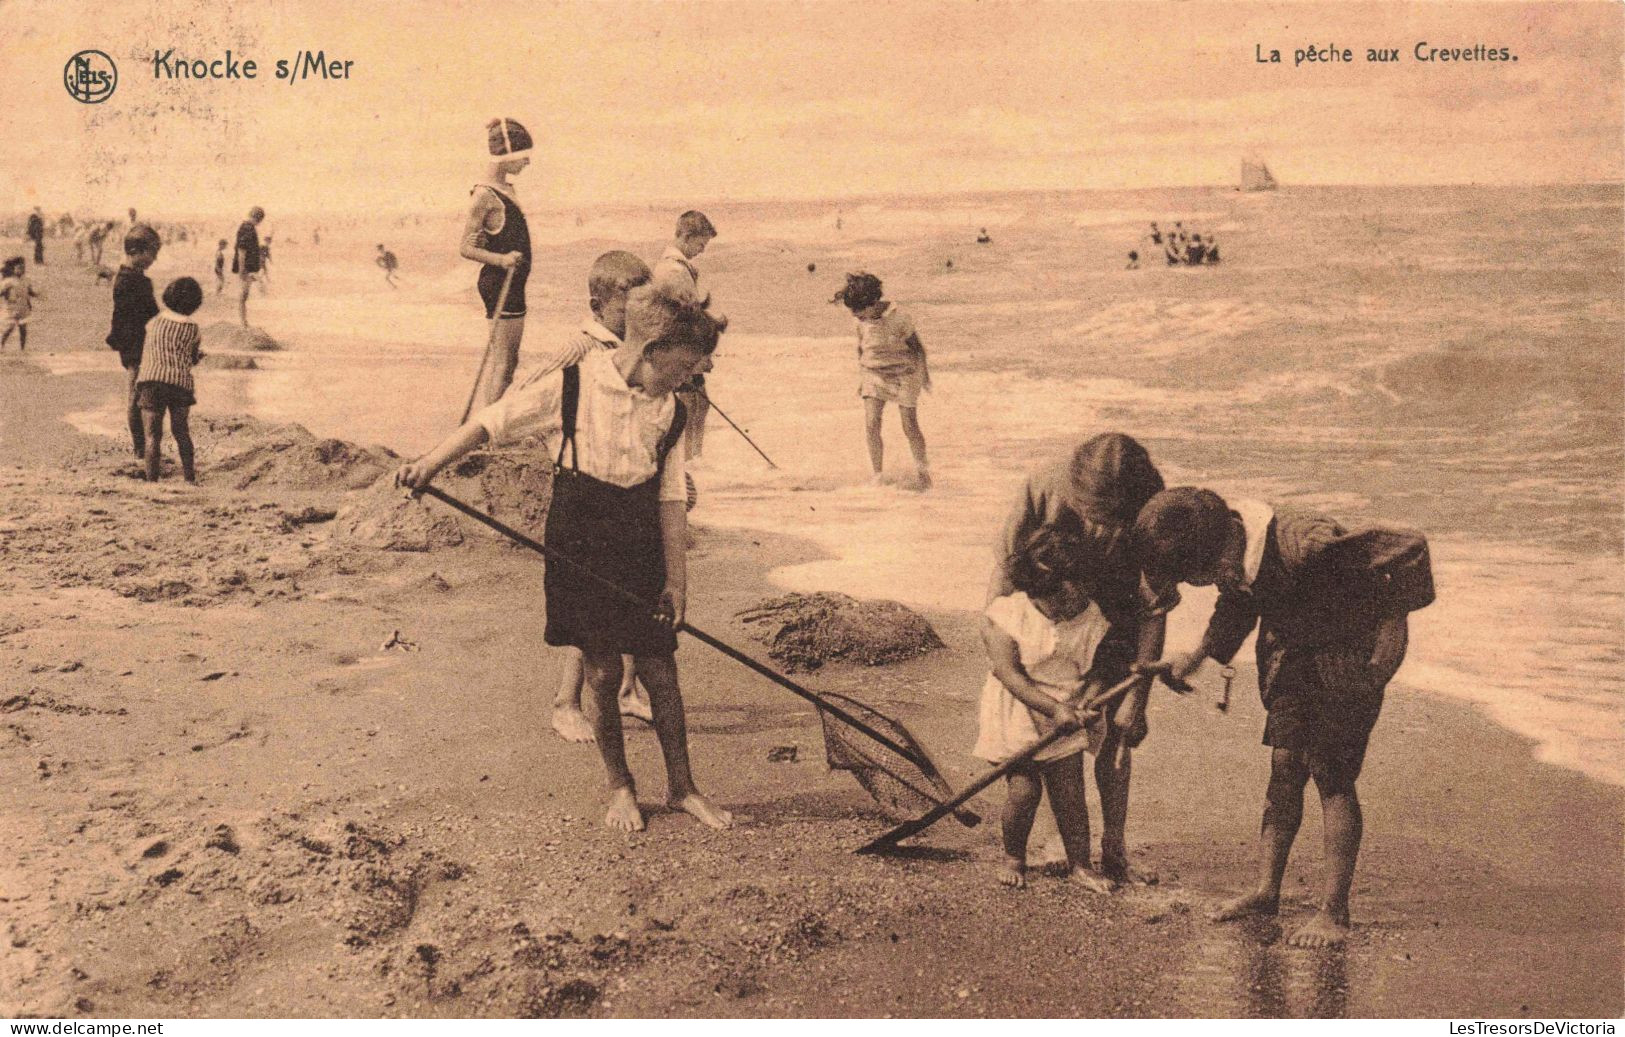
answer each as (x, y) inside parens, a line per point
(571, 724)
(1244, 907)
(922, 481)
(635, 702)
(708, 813)
(1323, 930)
(1117, 869)
(623, 814)
(1093, 881)
(1013, 873)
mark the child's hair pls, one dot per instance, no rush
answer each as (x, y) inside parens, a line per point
(140, 238)
(1181, 532)
(11, 266)
(663, 317)
(183, 295)
(614, 272)
(505, 139)
(1053, 556)
(222, 243)
(861, 292)
(256, 213)
(693, 224)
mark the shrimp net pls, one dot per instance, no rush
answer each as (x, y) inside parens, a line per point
(902, 787)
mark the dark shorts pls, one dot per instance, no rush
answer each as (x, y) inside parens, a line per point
(1323, 703)
(490, 285)
(614, 532)
(162, 396)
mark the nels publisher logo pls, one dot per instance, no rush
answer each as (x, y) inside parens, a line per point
(90, 77)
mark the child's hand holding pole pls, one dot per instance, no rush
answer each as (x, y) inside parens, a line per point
(415, 475)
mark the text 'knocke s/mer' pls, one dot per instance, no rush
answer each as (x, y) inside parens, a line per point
(307, 65)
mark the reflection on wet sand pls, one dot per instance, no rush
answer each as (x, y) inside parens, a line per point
(1245, 970)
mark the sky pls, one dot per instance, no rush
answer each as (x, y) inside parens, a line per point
(635, 102)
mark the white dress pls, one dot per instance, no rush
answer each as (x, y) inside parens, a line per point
(1056, 655)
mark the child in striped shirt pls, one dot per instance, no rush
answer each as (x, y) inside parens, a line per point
(164, 382)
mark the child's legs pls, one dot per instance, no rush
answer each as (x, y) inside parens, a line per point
(911, 431)
(6, 336)
(873, 409)
(659, 676)
(153, 428)
(1114, 766)
(1020, 807)
(180, 426)
(602, 670)
(504, 357)
(138, 430)
(1063, 779)
(1283, 814)
(22, 336)
(1342, 824)
(570, 679)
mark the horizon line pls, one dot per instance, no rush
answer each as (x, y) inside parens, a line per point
(558, 206)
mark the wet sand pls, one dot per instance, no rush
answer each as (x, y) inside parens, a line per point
(229, 799)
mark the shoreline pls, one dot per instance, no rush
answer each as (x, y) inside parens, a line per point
(411, 840)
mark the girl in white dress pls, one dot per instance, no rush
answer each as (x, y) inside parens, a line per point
(1041, 642)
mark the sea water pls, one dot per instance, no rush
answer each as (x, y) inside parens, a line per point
(1446, 358)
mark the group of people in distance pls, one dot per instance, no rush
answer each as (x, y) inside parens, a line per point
(1088, 566)
(1180, 248)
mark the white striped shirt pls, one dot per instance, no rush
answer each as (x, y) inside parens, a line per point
(618, 428)
(171, 349)
(592, 338)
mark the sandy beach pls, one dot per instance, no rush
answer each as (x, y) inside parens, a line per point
(230, 798)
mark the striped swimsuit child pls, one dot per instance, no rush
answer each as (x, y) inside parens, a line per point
(171, 350)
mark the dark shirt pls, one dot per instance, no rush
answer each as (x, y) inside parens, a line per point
(36, 227)
(1296, 596)
(246, 258)
(133, 305)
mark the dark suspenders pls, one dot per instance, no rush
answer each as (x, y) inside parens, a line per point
(569, 404)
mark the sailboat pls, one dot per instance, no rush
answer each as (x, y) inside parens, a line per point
(1255, 176)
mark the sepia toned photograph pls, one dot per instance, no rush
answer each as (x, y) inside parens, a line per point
(812, 509)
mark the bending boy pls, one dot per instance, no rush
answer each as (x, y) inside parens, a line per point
(617, 513)
(1324, 659)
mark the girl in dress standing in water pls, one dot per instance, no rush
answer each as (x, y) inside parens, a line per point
(497, 237)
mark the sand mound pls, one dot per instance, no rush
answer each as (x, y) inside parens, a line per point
(385, 518)
(805, 631)
(227, 336)
(228, 362)
(248, 452)
(512, 486)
